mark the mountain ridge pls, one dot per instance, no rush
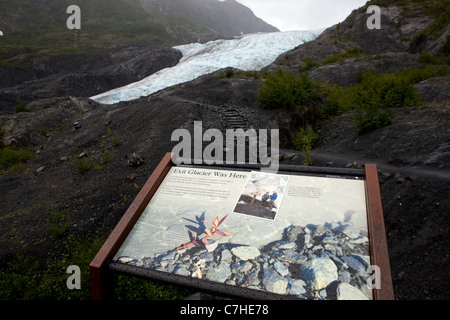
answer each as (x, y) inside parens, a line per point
(172, 20)
(224, 18)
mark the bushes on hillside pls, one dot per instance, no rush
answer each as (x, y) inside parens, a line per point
(375, 95)
(372, 97)
(10, 157)
(385, 91)
(287, 90)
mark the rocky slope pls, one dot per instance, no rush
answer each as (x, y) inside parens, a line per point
(185, 21)
(89, 160)
(405, 32)
(87, 76)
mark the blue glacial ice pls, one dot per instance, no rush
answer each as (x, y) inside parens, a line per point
(248, 53)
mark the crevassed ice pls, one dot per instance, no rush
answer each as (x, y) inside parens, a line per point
(248, 53)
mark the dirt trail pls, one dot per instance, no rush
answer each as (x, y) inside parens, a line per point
(421, 171)
(323, 158)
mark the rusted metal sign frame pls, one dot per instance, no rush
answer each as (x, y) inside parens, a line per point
(101, 265)
(379, 254)
(98, 268)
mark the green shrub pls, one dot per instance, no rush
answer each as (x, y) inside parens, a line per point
(309, 64)
(226, 74)
(418, 40)
(304, 140)
(377, 91)
(350, 53)
(23, 278)
(331, 59)
(338, 100)
(287, 90)
(10, 157)
(429, 58)
(116, 140)
(385, 91)
(446, 47)
(21, 107)
(58, 223)
(82, 164)
(374, 95)
(105, 157)
(229, 73)
(346, 55)
(417, 75)
(18, 275)
(367, 120)
(43, 132)
(252, 74)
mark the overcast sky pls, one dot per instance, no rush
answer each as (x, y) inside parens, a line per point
(302, 14)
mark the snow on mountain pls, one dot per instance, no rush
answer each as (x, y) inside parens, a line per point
(249, 53)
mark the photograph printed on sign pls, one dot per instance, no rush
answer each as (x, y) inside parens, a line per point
(262, 195)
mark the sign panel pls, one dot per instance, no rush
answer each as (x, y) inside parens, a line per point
(291, 235)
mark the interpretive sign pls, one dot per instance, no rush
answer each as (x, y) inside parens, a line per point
(252, 234)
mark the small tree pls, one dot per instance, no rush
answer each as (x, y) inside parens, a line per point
(304, 140)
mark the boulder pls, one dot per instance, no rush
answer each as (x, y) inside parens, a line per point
(346, 291)
(319, 272)
(246, 252)
(274, 282)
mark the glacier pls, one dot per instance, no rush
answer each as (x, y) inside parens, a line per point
(248, 53)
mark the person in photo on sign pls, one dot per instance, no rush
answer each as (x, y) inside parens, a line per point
(264, 198)
(273, 197)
